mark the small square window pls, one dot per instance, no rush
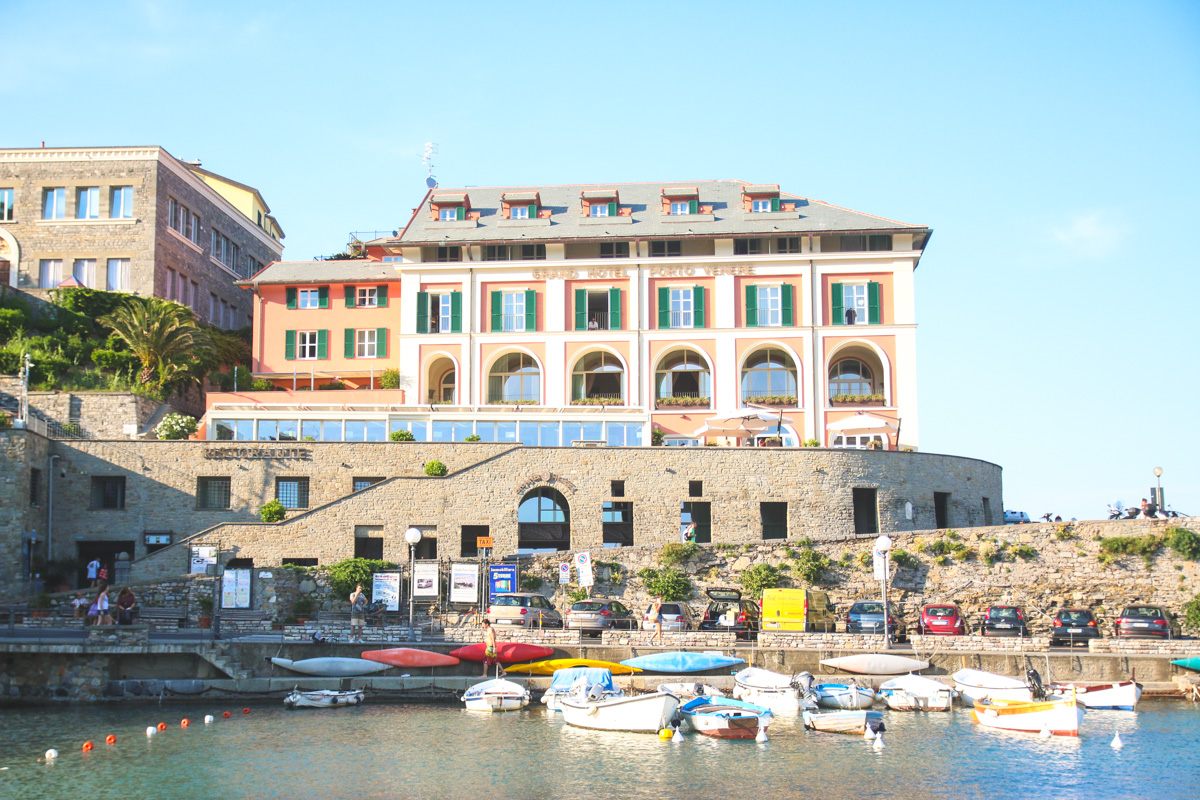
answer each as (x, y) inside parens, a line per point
(598, 210)
(449, 254)
(533, 252)
(495, 252)
(108, 492)
(614, 249)
(787, 244)
(760, 206)
(309, 298)
(292, 492)
(213, 493)
(664, 249)
(519, 212)
(747, 247)
(363, 483)
(695, 488)
(680, 208)
(448, 214)
(618, 488)
(366, 297)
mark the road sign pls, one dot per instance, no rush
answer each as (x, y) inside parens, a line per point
(564, 572)
(483, 541)
(583, 565)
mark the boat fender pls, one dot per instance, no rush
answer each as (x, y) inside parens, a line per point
(1035, 683)
(51, 754)
(878, 742)
(150, 731)
(761, 737)
(1045, 734)
(1116, 743)
(665, 734)
(208, 718)
(677, 736)
(593, 711)
(868, 734)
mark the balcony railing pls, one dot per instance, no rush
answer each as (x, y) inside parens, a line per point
(599, 399)
(597, 320)
(765, 398)
(682, 319)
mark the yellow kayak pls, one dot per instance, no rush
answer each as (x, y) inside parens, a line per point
(548, 667)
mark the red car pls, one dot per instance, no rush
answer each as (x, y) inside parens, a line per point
(941, 619)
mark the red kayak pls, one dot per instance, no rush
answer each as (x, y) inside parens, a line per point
(506, 652)
(409, 657)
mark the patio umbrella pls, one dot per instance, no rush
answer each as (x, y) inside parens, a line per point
(860, 422)
(743, 422)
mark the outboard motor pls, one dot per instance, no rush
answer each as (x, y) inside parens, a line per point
(803, 681)
(1035, 684)
(877, 727)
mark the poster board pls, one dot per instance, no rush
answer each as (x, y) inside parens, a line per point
(385, 587)
(425, 579)
(502, 579)
(235, 588)
(201, 558)
(464, 583)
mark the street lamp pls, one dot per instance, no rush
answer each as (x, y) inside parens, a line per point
(1158, 498)
(413, 537)
(883, 546)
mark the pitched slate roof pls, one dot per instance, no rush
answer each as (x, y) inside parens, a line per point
(729, 217)
(356, 270)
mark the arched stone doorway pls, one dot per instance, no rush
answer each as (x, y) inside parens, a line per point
(543, 521)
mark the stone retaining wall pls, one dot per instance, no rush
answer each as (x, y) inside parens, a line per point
(786, 640)
(671, 640)
(124, 635)
(1015, 644)
(547, 637)
(1139, 647)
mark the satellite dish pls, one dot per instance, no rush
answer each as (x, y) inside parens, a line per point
(431, 182)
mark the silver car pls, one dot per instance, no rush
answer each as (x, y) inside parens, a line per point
(523, 609)
(594, 616)
(676, 617)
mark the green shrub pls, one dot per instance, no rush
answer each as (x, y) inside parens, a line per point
(11, 321)
(952, 535)
(1064, 531)
(474, 437)
(10, 362)
(921, 547)
(1144, 546)
(401, 436)
(1106, 559)
(812, 443)
(436, 469)
(389, 379)
(812, 564)
(332, 385)
(272, 511)
(963, 553)
(1024, 552)
(176, 426)
(865, 560)
(1183, 542)
(262, 385)
(222, 380)
(575, 595)
(904, 559)
(303, 607)
(677, 552)
(531, 583)
(759, 577)
(91, 303)
(942, 561)
(1191, 612)
(672, 584)
(345, 575)
(113, 360)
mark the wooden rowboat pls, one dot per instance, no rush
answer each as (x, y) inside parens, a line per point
(855, 722)
(1060, 717)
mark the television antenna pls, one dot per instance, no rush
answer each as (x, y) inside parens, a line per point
(427, 160)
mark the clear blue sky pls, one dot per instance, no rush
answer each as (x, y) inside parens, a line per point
(1053, 147)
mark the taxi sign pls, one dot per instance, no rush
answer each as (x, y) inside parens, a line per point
(483, 541)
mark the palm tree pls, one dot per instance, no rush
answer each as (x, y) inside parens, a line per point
(162, 335)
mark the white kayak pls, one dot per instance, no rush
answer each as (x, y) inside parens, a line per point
(325, 698)
(876, 664)
(331, 666)
(1114, 696)
(974, 685)
(496, 695)
(916, 693)
(844, 695)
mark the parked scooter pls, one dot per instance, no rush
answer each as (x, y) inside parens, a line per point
(1115, 510)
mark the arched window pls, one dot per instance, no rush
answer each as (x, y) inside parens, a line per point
(850, 377)
(515, 378)
(597, 378)
(447, 387)
(769, 376)
(543, 521)
(682, 378)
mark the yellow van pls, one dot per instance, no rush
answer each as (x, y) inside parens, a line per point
(796, 610)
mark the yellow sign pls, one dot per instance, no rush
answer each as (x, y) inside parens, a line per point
(483, 541)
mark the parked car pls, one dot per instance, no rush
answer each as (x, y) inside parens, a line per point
(727, 611)
(1153, 621)
(594, 616)
(1004, 621)
(523, 609)
(866, 616)
(1015, 518)
(797, 610)
(676, 617)
(941, 619)
(1073, 625)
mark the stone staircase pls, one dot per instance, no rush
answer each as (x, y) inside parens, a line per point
(217, 654)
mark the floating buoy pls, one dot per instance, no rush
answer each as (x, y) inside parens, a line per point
(110, 739)
(878, 742)
(208, 718)
(1045, 734)
(1116, 743)
(677, 736)
(51, 754)
(226, 715)
(761, 736)
(183, 723)
(245, 711)
(88, 747)
(151, 731)
(162, 726)
(664, 734)
(868, 733)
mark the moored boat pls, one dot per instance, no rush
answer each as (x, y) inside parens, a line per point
(844, 695)
(410, 657)
(682, 661)
(324, 698)
(973, 685)
(1192, 663)
(553, 665)
(564, 680)
(1060, 716)
(496, 695)
(588, 705)
(850, 721)
(782, 694)
(724, 717)
(916, 693)
(506, 652)
(875, 664)
(1114, 696)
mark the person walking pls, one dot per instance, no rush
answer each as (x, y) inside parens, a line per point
(102, 576)
(93, 567)
(689, 533)
(490, 653)
(656, 610)
(101, 608)
(358, 613)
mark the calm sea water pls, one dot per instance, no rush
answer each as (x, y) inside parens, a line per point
(428, 751)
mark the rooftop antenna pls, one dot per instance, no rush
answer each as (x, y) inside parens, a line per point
(427, 160)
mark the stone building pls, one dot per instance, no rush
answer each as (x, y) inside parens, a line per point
(133, 219)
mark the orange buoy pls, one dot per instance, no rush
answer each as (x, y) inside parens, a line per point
(184, 723)
(245, 711)
(110, 739)
(162, 726)
(87, 746)
(225, 715)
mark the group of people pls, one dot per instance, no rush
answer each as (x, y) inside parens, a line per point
(99, 612)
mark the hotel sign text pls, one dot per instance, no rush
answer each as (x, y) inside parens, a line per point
(655, 272)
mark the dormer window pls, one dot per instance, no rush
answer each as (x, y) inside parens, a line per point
(681, 201)
(519, 212)
(762, 199)
(451, 207)
(449, 214)
(520, 205)
(599, 210)
(684, 207)
(601, 203)
(765, 205)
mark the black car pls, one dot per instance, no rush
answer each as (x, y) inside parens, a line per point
(727, 611)
(1072, 625)
(1151, 621)
(1004, 621)
(866, 616)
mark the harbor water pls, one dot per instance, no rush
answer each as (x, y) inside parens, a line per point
(442, 751)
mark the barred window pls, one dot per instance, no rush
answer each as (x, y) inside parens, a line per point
(292, 492)
(108, 492)
(213, 493)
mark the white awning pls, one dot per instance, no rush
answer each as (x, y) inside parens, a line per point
(743, 422)
(860, 422)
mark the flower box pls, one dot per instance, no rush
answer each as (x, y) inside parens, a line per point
(857, 400)
(682, 402)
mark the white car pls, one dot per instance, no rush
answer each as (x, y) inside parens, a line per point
(1015, 518)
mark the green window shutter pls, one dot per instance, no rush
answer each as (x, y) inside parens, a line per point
(381, 299)
(322, 344)
(774, 203)
(581, 309)
(839, 311)
(422, 312)
(785, 300)
(381, 342)
(291, 298)
(751, 306)
(533, 212)
(289, 345)
(693, 206)
(323, 296)
(456, 312)
(497, 312)
(614, 309)
(612, 209)
(873, 303)
(530, 310)
(664, 307)
(350, 295)
(460, 213)
(348, 343)
(697, 306)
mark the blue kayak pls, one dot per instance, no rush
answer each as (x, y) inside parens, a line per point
(1188, 663)
(681, 661)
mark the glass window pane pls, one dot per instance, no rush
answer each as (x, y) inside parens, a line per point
(633, 434)
(486, 431)
(593, 431)
(245, 430)
(443, 431)
(310, 430)
(420, 430)
(224, 429)
(529, 434)
(332, 429)
(506, 432)
(461, 431)
(616, 434)
(571, 432)
(287, 430)
(397, 425)
(356, 430)
(267, 430)
(549, 434)
(376, 430)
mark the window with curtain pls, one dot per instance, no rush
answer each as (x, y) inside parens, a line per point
(850, 377)
(597, 378)
(683, 375)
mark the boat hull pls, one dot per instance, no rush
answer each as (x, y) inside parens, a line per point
(975, 685)
(331, 667)
(550, 666)
(410, 657)
(723, 718)
(770, 690)
(1192, 663)
(841, 695)
(323, 699)
(854, 722)
(496, 695)
(1113, 697)
(916, 693)
(681, 661)
(506, 652)
(646, 713)
(1059, 717)
(876, 664)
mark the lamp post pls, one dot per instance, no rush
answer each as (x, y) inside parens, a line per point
(883, 546)
(413, 537)
(1158, 497)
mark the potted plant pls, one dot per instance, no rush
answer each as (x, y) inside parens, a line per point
(303, 609)
(41, 605)
(206, 608)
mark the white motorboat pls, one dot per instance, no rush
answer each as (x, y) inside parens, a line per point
(564, 680)
(916, 693)
(724, 718)
(854, 721)
(324, 698)
(782, 694)
(589, 705)
(690, 691)
(974, 685)
(844, 695)
(1059, 717)
(496, 695)
(1115, 696)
